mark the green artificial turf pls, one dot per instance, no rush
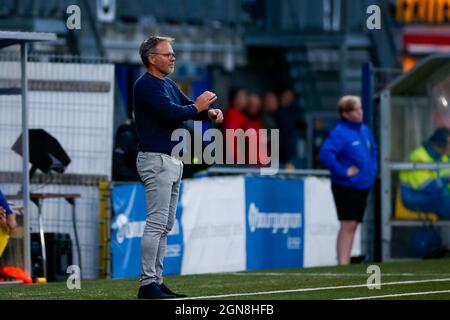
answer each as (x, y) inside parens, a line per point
(320, 283)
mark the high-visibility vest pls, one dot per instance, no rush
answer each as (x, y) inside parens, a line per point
(417, 179)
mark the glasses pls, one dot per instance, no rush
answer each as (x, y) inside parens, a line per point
(167, 55)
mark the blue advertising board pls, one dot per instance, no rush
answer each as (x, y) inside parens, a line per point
(274, 222)
(128, 203)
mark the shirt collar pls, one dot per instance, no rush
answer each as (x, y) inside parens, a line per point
(351, 124)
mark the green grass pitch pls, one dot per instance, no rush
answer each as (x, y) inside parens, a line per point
(426, 279)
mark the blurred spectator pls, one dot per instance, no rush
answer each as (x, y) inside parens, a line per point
(269, 115)
(269, 107)
(125, 152)
(253, 113)
(235, 118)
(292, 127)
(428, 190)
(350, 153)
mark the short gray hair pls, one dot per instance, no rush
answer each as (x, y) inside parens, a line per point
(149, 45)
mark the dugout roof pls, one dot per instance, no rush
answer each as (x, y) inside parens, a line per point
(416, 81)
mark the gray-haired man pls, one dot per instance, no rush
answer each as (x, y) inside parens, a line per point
(160, 108)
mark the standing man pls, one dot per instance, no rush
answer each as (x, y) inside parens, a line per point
(350, 153)
(160, 108)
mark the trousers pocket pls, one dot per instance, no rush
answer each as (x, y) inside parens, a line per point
(154, 163)
(140, 157)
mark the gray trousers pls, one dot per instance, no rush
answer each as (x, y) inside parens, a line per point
(161, 175)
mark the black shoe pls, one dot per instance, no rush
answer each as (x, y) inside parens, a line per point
(152, 291)
(357, 259)
(166, 290)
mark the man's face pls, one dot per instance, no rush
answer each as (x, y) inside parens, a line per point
(163, 58)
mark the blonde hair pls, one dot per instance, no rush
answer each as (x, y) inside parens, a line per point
(347, 104)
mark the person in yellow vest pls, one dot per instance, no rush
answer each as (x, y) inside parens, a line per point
(429, 190)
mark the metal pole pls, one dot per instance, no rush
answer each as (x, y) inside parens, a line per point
(224, 170)
(343, 49)
(25, 158)
(367, 94)
(386, 209)
(411, 166)
(309, 142)
(75, 232)
(42, 237)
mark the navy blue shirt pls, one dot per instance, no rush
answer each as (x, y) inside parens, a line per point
(350, 144)
(159, 109)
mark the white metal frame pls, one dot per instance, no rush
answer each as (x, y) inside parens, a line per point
(9, 38)
(388, 166)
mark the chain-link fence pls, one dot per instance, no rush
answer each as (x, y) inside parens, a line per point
(71, 98)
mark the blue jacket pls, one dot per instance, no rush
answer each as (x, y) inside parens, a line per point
(4, 204)
(350, 144)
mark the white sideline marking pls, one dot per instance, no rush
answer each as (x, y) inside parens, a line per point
(398, 295)
(328, 274)
(311, 289)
